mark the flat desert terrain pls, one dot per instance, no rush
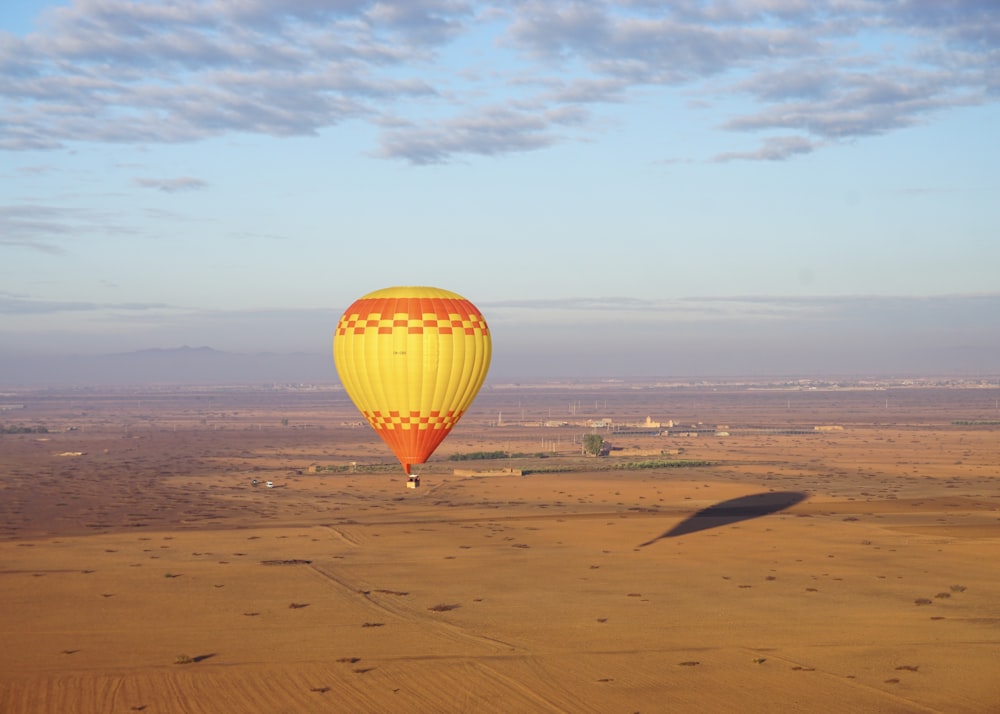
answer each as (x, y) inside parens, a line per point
(741, 559)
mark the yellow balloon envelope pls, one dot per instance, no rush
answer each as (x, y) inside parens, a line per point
(412, 360)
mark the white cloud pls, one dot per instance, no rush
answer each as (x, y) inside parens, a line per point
(173, 185)
(47, 228)
(11, 304)
(491, 131)
(774, 148)
(184, 70)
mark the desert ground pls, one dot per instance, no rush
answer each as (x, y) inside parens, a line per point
(745, 560)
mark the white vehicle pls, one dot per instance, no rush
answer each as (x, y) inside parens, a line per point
(269, 484)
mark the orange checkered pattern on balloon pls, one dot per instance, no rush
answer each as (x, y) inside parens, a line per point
(415, 315)
(414, 420)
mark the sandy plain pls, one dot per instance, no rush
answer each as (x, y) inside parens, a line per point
(855, 569)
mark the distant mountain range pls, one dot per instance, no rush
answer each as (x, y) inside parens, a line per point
(181, 365)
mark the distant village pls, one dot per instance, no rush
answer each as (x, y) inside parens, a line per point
(670, 428)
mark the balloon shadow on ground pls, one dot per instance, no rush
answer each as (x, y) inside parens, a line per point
(733, 511)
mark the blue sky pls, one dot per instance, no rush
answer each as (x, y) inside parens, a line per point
(624, 187)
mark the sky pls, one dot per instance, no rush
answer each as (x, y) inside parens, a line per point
(623, 187)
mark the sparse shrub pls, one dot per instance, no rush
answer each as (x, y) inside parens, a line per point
(593, 443)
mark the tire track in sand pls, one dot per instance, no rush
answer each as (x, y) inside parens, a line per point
(391, 605)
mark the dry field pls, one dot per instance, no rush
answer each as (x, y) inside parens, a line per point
(855, 569)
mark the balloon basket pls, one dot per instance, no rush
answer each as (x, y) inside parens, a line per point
(413, 482)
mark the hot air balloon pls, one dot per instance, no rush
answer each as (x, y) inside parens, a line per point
(412, 360)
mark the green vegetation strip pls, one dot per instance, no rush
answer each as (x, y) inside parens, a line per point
(587, 464)
(478, 456)
(357, 468)
(23, 430)
(661, 464)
